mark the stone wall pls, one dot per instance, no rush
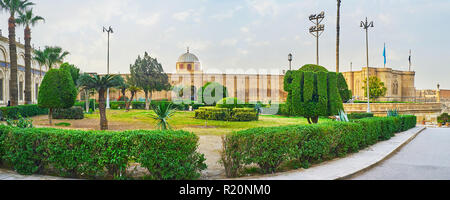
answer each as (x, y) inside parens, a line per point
(423, 111)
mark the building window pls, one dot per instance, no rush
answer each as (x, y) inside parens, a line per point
(1, 89)
(181, 66)
(21, 91)
(37, 91)
(189, 68)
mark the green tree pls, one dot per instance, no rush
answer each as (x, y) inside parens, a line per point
(101, 85)
(149, 75)
(377, 88)
(163, 112)
(57, 91)
(73, 70)
(54, 55)
(211, 93)
(312, 94)
(28, 19)
(133, 89)
(13, 7)
(41, 58)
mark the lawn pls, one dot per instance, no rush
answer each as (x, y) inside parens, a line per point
(140, 119)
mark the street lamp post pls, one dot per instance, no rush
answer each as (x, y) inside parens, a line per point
(366, 25)
(317, 30)
(290, 61)
(109, 31)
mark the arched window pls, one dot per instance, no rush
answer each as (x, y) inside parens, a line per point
(181, 67)
(189, 67)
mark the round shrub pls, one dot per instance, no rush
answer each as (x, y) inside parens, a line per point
(69, 113)
(230, 103)
(212, 93)
(313, 68)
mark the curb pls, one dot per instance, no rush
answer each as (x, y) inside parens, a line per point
(383, 159)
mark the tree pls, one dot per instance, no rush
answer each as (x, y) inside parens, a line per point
(211, 93)
(163, 112)
(41, 58)
(28, 19)
(54, 55)
(312, 94)
(313, 68)
(133, 89)
(101, 85)
(13, 7)
(377, 88)
(73, 70)
(149, 75)
(57, 91)
(338, 32)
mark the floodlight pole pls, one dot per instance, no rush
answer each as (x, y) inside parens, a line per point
(366, 25)
(317, 30)
(109, 31)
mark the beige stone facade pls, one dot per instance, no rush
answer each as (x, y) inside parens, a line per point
(400, 84)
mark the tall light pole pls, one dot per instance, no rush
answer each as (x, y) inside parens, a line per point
(109, 31)
(366, 25)
(317, 30)
(290, 61)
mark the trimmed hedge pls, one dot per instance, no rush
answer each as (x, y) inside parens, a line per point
(230, 103)
(70, 113)
(23, 110)
(360, 115)
(96, 154)
(268, 148)
(224, 114)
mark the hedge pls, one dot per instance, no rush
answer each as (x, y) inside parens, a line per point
(224, 114)
(268, 148)
(70, 113)
(23, 110)
(101, 154)
(360, 115)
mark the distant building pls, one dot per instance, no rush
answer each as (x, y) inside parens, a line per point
(36, 76)
(400, 84)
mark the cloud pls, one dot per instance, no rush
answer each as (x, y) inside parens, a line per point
(227, 14)
(182, 16)
(264, 7)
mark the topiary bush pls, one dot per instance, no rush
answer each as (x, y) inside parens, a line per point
(269, 148)
(360, 115)
(313, 68)
(167, 155)
(342, 85)
(211, 93)
(69, 113)
(230, 103)
(14, 112)
(312, 94)
(225, 114)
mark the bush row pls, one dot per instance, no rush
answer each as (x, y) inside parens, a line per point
(94, 154)
(306, 144)
(224, 114)
(23, 110)
(70, 113)
(360, 115)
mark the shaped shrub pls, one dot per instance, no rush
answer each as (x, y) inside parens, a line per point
(69, 113)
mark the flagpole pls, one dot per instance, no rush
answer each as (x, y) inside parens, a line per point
(410, 60)
(384, 54)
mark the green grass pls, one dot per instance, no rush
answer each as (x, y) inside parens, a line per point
(140, 119)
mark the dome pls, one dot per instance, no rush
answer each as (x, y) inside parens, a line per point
(188, 57)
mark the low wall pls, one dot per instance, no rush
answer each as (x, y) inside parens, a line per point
(424, 111)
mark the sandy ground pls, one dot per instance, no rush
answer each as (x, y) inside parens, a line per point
(210, 146)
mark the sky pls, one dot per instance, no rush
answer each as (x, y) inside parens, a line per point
(238, 35)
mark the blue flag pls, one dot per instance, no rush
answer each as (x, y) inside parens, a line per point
(384, 55)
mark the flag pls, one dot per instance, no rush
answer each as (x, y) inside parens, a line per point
(409, 58)
(384, 55)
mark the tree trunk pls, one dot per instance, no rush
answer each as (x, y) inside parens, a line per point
(13, 90)
(338, 32)
(87, 100)
(129, 101)
(315, 120)
(102, 109)
(28, 65)
(147, 105)
(50, 116)
(309, 120)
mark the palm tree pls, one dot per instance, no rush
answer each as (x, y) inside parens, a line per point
(55, 55)
(41, 58)
(13, 7)
(338, 27)
(163, 112)
(28, 19)
(101, 85)
(133, 90)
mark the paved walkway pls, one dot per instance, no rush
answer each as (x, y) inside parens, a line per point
(426, 158)
(11, 175)
(343, 167)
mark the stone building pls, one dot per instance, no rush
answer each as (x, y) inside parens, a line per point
(248, 87)
(36, 77)
(400, 84)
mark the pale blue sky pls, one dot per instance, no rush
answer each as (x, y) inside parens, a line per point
(243, 34)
